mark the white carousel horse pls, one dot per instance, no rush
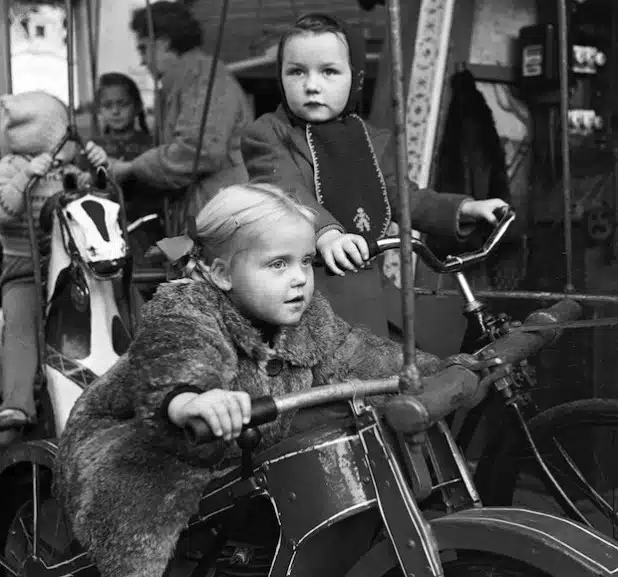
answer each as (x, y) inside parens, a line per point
(84, 332)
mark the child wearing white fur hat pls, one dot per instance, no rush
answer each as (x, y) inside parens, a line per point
(31, 126)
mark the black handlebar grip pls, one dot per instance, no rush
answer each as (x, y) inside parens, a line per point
(502, 211)
(374, 249)
(263, 410)
(197, 432)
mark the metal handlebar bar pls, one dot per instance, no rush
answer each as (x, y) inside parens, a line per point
(267, 409)
(452, 264)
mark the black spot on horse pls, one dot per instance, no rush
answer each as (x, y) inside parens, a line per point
(120, 337)
(97, 213)
(67, 330)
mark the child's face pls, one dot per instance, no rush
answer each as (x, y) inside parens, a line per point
(117, 109)
(272, 281)
(316, 75)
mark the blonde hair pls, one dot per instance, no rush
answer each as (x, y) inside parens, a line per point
(238, 214)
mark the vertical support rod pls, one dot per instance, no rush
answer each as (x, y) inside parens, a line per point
(71, 60)
(93, 54)
(157, 134)
(564, 135)
(6, 27)
(152, 56)
(409, 378)
(608, 124)
(209, 91)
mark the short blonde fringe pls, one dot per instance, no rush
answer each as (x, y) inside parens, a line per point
(236, 215)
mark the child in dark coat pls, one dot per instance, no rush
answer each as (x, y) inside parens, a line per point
(206, 346)
(317, 147)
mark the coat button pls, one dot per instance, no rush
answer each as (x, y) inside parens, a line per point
(274, 367)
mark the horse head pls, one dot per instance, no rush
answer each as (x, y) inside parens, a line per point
(89, 222)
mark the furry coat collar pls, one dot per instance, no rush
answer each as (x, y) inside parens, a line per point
(128, 479)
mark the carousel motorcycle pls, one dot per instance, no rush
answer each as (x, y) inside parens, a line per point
(363, 473)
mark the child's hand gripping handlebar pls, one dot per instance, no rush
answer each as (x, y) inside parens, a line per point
(454, 387)
(452, 264)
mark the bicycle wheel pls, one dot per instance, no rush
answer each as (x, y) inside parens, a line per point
(35, 538)
(578, 442)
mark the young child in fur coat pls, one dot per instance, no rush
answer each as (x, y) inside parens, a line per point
(246, 324)
(316, 146)
(31, 125)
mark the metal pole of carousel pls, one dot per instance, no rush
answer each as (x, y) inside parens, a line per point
(564, 137)
(92, 20)
(410, 378)
(167, 224)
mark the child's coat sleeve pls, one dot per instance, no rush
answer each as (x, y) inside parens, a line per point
(13, 182)
(173, 349)
(268, 160)
(431, 212)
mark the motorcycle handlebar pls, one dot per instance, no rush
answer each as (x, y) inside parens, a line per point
(266, 409)
(458, 387)
(454, 387)
(453, 263)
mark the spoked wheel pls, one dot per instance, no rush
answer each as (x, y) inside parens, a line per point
(35, 539)
(578, 442)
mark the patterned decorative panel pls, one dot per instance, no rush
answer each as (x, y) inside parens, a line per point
(433, 24)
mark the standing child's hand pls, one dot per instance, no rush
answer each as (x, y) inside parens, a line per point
(96, 155)
(482, 209)
(342, 251)
(40, 165)
(225, 412)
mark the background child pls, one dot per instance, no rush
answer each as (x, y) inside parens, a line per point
(317, 147)
(123, 118)
(125, 137)
(246, 326)
(31, 124)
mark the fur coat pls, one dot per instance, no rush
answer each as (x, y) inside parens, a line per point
(127, 477)
(276, 152)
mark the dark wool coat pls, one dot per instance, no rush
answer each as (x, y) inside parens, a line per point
(277, 152)
(128, 479)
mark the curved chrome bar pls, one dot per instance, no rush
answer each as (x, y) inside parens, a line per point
(453, 263)
(345, 391)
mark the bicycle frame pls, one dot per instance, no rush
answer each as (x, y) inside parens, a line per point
(481, 332)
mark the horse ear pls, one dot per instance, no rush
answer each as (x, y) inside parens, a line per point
(69, 182)
(100, 180)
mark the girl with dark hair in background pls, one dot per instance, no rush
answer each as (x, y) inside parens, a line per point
(125, 134)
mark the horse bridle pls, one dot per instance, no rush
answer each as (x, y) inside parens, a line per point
(68, 240)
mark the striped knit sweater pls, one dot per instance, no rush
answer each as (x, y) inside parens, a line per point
(13, 218)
